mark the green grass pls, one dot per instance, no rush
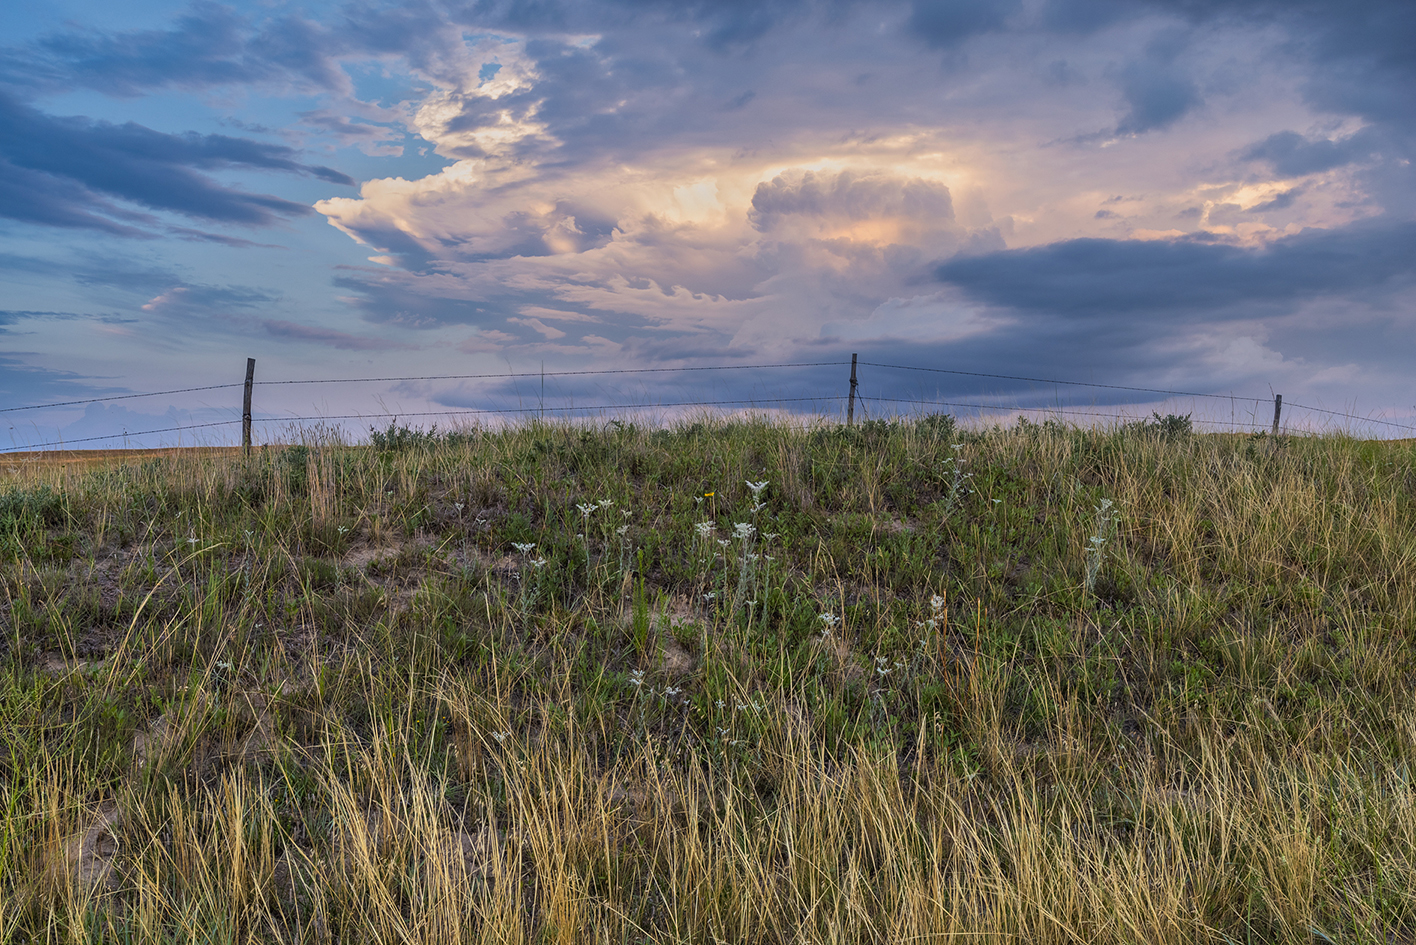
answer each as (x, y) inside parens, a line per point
(1030, 684)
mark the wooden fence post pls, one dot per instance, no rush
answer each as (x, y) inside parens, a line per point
(850, 407)
(246, 406)
(1277, 409)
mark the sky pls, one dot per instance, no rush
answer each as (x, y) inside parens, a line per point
(1183, 195)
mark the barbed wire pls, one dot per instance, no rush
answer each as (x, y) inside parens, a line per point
(119, 436)
(1013, 410)
(434, 377)
(99, 400)
(517, 374)
(1046, 380)
(1351, 416)
(673, 370)
(610, 371)
(455, 412)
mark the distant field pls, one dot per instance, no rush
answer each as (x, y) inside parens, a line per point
(21, 464)
(729, 682)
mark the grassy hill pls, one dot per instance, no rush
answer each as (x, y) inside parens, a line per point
(737, 682)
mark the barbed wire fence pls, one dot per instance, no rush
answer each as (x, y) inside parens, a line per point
(885, 406)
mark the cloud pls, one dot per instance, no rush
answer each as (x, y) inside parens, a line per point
(203, 301)
(329, 337)
(1100, 280)
(211, 45)
(848, 196)
(1294, 155)
(78, 167)
(373, 140)
(23, 384)
(1157, 91)
(945, 24)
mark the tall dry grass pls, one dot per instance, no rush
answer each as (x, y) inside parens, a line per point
(318, 698)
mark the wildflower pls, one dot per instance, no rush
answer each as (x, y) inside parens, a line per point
(936, 603)
(672, 690)
(758, 507)
(606, 503)
(457, 505)
(719, 703)
(744, 530)
(757, 488)
(191, 541)
(723, 542)
(710, 595)
(771, 536)
(705, 529)
(621, 530)
(500, 736)
(829, 619)
(636, 677)
(1105, 525)
(586, 509)
(539, 563)
(523, 548)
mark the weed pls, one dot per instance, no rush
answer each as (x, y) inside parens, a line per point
(772, 683)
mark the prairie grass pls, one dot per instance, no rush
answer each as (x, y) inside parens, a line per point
(330, 694)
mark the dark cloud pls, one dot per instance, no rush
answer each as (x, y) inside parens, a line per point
(95, 272)
(1088, 16)
(36, 197)
(66, 171)
(383, 298)
(329, 337)
(849, 195)
(187, 301)
(1157, 97)
(1294, 155)
(945, 24)
(1098, 281)
(208, 46)
(22, 384)
(1281, 202)
(374, 139)
(725, 25)
(1157, 91)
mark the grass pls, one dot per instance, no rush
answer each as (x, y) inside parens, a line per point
(1034, 684)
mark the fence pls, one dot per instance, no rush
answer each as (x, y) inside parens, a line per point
(852, 397)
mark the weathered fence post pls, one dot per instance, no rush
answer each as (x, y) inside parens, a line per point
(1277, 410)
(850, 407)
(246, 406)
